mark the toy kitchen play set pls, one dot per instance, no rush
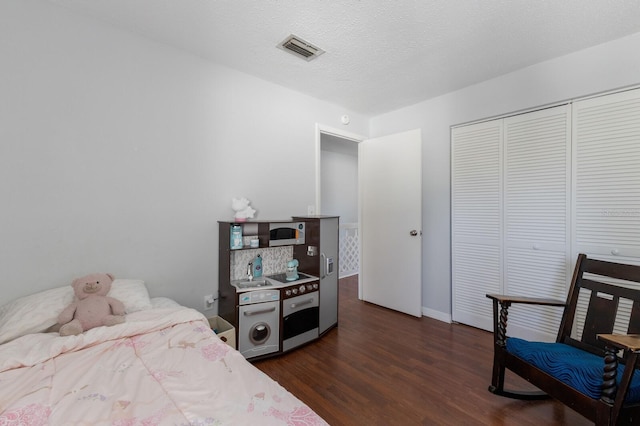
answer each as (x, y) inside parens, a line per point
(278, 282)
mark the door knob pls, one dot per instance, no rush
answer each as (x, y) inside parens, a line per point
(413, 233)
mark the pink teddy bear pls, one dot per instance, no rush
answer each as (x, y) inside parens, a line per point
(92, 307)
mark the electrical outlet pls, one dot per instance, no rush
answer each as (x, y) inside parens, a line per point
(208, 301)
(311, 210)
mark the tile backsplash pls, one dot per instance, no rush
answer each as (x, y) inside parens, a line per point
(274, 260)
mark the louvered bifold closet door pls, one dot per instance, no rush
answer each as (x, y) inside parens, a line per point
(476, 215)
(606, 137)
(537, 173)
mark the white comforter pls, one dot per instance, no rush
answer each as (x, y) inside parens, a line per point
(162, 366)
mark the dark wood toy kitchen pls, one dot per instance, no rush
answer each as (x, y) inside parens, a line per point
(278, 282)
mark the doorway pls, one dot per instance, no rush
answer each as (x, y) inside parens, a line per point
(337, 193)
(389, 215)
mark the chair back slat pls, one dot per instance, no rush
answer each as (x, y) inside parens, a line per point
(618, 271)
(634, 320)
(601, 317)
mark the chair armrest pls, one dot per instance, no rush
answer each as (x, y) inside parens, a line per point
(501, 304)
(502, 298)
(628, 342)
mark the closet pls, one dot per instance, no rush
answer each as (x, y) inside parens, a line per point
(607, 176)
(532, 190)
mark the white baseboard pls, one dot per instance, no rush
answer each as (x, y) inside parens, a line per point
(440, 316)
(348, 274)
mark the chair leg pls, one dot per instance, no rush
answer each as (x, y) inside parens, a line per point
(497, 377)
(497, 382)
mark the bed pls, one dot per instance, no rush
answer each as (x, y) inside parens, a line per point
(164, 365)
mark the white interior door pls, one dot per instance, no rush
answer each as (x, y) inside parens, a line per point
(390, 180)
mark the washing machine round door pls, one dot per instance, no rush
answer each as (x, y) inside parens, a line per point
(259, 333)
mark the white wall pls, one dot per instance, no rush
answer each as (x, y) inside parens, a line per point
(119, 154)
(601, 68)
(339, 171)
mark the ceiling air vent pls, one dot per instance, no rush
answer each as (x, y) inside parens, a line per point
(302, 49)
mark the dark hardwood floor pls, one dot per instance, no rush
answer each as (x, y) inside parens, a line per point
(382, 367)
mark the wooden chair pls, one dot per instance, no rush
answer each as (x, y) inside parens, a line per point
(610, 302)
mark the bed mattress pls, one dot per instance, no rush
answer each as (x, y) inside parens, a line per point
(162, 366)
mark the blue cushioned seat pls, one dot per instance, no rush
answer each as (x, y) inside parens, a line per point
(579, 369)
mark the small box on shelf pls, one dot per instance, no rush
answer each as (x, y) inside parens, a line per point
(225, 331)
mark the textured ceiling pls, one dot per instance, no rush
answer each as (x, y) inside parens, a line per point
(380, 54)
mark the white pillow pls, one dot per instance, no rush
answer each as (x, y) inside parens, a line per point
(38, 312)
(132, 293)
(34, 313)
(164, 302)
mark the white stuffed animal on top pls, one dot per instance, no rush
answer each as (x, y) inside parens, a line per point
(242, 209)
